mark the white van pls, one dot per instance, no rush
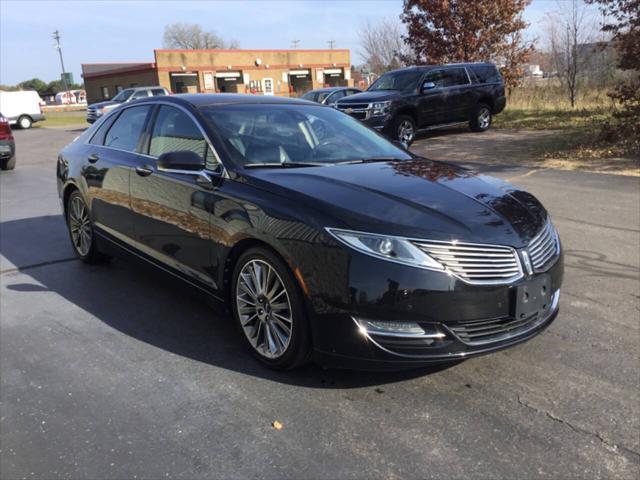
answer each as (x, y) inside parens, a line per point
(21, 108)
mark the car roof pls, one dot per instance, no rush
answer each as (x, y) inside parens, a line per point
(423, 68)
(199, 100)
(329, 89)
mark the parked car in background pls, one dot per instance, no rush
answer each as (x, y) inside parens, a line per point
(401, 102)
(97, 110)
(330, 95)
(21, 108)
(324, 239)
(7, 145)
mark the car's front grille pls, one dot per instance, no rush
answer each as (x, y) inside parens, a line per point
(479, 332)
(356, 110)
(92, 113)
(475, 263)
(544, 248)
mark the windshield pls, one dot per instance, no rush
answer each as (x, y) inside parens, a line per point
(399, 80)
(300, 134)
(316, 96)
(122, 96)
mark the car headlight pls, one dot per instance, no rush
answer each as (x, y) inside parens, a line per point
(380, 108)
(386, 247)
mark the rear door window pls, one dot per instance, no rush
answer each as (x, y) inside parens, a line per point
(454, 77)
(450, 77)
(156, 92)
(125, 132)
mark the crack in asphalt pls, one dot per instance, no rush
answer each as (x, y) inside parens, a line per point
(618, 449)
(37, 265)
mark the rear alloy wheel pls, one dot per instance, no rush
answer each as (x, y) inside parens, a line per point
(25, 122)
(81, 229)
(405, 129)
(481, 120)
(269, 310)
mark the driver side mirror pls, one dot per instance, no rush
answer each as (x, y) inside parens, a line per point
(184, 160)
(427, 86)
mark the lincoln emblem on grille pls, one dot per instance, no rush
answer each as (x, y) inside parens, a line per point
(527, 262)
(348, 110)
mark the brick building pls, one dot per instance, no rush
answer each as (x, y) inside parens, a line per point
(267, 72)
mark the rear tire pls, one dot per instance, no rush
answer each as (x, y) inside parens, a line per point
(481, 118)
(81, 231)
(25, 122)
(269, 310)
(8, 164)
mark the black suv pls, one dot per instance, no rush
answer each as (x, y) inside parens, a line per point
(403, 101)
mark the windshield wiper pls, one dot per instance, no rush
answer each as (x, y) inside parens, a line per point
(371, 160)
(283, 164)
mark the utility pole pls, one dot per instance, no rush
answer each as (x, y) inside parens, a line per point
(332, 43)
(294, 44)
(56, 37)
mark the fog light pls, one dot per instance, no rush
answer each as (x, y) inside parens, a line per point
(396, 329)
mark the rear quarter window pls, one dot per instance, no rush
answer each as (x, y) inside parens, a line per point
(486, 73)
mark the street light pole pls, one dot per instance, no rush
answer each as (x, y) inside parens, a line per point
(56, 37)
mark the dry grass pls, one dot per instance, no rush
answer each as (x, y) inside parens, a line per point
(578, 139)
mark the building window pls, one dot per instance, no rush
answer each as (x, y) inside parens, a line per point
(133, 85)
(118, 88)
(105, 92)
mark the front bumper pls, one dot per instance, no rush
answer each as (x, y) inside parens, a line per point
(441, 304)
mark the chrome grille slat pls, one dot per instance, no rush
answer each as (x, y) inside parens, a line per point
(544, 247)
(475, 263)
(481, 332)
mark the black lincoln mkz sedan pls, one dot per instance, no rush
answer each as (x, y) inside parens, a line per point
(325, 240)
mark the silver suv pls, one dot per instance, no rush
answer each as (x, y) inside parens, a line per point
(96, 110)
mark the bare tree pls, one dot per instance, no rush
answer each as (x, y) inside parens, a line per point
(382, 45)
(571, 32)
(191, 36)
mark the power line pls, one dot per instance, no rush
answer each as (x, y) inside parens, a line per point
(295, 44)
(331, 43)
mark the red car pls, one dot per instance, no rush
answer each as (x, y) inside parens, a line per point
(7, 145)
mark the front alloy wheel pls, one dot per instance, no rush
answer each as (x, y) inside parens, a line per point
(264, 309)
(269, 310)
(405, 129)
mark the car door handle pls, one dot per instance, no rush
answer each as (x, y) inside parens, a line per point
(93, 158)
(144, 171)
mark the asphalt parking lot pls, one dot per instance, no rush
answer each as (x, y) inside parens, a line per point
(107, 373)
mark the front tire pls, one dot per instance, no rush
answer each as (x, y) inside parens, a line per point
(25, 122)
(269, 309)
(481, 118)
(404, 129)
(81, 230)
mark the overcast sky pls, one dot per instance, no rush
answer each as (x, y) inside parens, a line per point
(112, 31)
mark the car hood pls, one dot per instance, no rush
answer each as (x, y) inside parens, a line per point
(367, 97)
(107, 103)
(416, 198)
